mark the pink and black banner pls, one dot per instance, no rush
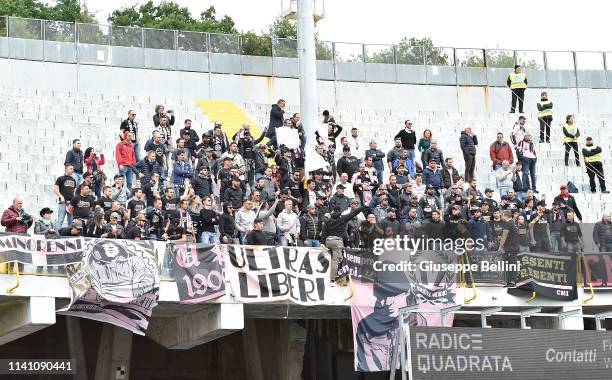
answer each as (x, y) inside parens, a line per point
(399, 280)
(39, 251)
(268, 274)
(198, 271)
(116, 282)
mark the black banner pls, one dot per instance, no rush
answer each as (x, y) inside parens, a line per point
(598, 270)
(486, 273)
(549, 275)
(38, 250)
(357, 263)
(198, 271)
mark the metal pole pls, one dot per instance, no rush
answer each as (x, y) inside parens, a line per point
(308, 72)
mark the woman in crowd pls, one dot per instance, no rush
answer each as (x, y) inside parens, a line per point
(94, 160)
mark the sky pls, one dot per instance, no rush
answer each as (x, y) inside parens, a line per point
(538, 25)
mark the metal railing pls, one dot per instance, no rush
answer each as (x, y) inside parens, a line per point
(56, 41)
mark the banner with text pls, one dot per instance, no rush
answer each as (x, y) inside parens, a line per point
(481, 354)
(268, 274)
(117, 282)
(491, 270)
(548, 275)
(198, 271)
(38, 250)
(424, 278)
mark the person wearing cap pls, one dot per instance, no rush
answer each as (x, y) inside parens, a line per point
(352, 227)
(545, 117)
(138, 231)
(126, 158)
(310, 227)
(480, 228)
(390, 225)
(429, 203)
(567, 201)
(540, 228)
(570, 139)
(517, 81)
(44, 225)
(204, 144)
(75, 230)
(119, 192)
(339, 199)
(348, 163)
(593, 162)
(219, 140)
(113, 229)
(88, 180)
(349, 191)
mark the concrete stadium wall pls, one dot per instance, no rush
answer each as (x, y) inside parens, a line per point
(189, 86)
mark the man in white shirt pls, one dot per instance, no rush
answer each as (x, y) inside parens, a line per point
(289, 225)
(353, 142)
(244, 219)
(418, 187)
(505, 177)
(348, 187)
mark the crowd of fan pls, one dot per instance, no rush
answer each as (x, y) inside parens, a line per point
(210, 188)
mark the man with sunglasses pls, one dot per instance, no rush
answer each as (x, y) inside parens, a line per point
(408, 138)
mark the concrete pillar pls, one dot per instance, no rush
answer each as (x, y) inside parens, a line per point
(25, 316)
(292, 342)
(308, 71)
(76, 347)
(188, 330)
(114, 353)
(252, 355)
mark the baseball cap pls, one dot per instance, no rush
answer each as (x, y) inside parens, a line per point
(310, 206)
(115, 215)
(46, 210)
(346, 149)
(117, 176)
(355, 202)
(563, 187)
(488, 190)
(430, 186)
(77, 223)
(340, 186)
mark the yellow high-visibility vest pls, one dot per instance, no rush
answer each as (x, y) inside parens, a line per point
(572, 130)
(517, 81)
(593, 158)
(546, 112)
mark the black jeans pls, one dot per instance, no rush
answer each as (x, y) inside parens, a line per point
(517, 93)
(470, 165)
(568, 148)
(545, 123)
(595, 169)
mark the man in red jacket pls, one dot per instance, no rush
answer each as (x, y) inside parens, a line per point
(126, 159)
(500, 151)
(15, 219)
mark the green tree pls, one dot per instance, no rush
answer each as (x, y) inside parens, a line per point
(63, 11)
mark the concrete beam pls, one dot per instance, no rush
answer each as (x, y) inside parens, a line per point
(184, 331)
(114, 353)
(24, 316)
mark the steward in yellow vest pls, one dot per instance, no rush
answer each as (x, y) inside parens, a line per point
(517, 81)
(545, 117)
(570, 139)
(593, 162)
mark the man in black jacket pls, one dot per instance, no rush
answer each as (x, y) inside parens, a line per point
(74, 157)
(450, 175)
(256, 235)
(348, 163)
(276, 120)
(567, 201)
(334, 232)
(408, 137)
(147, 166)
(468, 142)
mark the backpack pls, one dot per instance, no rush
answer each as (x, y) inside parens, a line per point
(571, 188)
